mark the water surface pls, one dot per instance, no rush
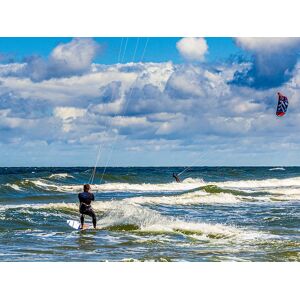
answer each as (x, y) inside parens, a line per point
(215, 214)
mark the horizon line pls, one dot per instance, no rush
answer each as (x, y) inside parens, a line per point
(147, 166)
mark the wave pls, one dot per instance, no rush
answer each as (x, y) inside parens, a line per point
(292, 197)
(13, 186)
(60, 175)
(214, 189)
(186, 185)
(39, 185)
(266, 183)
(125, 216)
(277, 169)
(190, 191)
(239, 187)
(115, 178)
(285, 191)
(46, 185)
(192, 198)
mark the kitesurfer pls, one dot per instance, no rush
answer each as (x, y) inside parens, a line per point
(85, 208)
(176, 177)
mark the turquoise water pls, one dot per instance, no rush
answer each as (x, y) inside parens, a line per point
(214, 214)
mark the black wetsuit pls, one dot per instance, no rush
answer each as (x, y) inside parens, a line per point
(85, 208)
(176, 177)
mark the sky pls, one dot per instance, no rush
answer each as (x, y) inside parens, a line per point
(148, 101)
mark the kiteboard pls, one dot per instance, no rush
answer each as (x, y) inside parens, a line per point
(76, 225)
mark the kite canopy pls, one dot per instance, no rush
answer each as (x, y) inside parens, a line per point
(282, 105)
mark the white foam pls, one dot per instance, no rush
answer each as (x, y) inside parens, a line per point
(61, 175)
(114, 213)
(120, 187)
(44, 184)
(285, 191)
(189, 184)
(13, 186)
(147, 220)
(119, 213)
(277, 187)
(291, 197)
(277, 169)
(50, 186)
(267, 183)
(148, 187)
(13, 206)
(197, 197)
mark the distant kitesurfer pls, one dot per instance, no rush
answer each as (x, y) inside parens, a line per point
(85, 207)
(176, 177)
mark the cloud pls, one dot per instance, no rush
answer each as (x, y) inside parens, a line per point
(192, 48)
(12, 69)
(69, 59)
(74, 57)
(267, 45)
(188, 82)
(149, 107)
(274, 60)
(111, 92)
(69, 113)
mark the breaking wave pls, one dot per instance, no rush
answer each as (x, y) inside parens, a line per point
(267, 183)
(61, 175)
(193, 198)
(190, 191)
(116, 216)
(47, 185)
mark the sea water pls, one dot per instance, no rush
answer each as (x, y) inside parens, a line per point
(214, 214)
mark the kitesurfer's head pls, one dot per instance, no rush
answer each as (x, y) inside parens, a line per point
(86, 187)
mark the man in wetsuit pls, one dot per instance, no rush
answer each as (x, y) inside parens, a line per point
(85, 207)
(176, 177)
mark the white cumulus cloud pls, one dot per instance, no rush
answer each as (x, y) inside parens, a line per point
(267, 45)
(274, 60)
(150, 107)
(69, 59)
(66, 113)
(75, 56)
(192, 48)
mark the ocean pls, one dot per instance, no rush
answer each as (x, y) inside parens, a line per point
(214, 214)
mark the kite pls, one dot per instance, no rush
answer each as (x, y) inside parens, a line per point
(282, 105)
